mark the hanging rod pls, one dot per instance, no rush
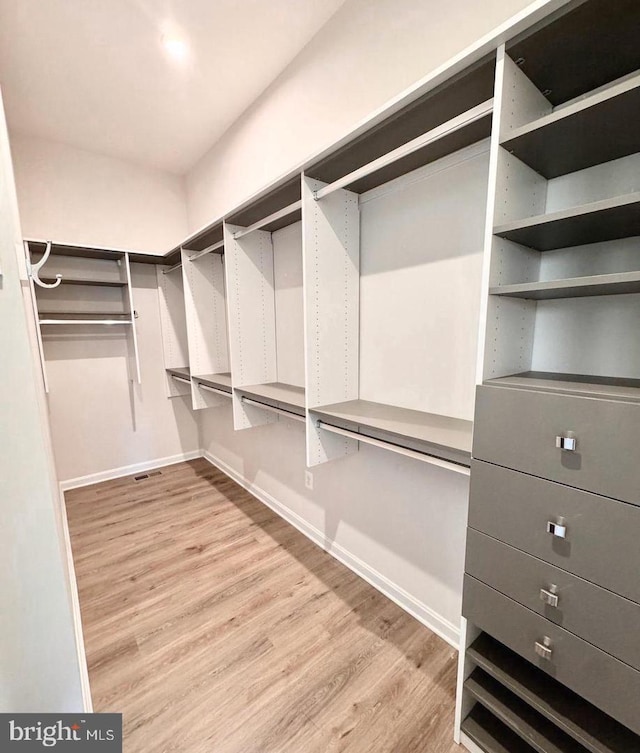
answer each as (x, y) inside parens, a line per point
(180, 379)
(266, 220)
(272, 408)
(430, 137)
(213, 389)
(85, 321)
(206, 250)
(431, 459)
(171, 269)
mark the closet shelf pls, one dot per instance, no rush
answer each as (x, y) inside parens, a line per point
(608, 388)
(521, 718)
(87, 281)
(620, 283)
(597, 129)
(605, 220)
(491, 735)
(180, 371)
(439, 436)
(85, 314)
(278, 395)
(104, 322)
(220, 381)
(595, 730)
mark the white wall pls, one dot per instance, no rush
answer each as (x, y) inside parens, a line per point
(39, 659)
(367, 53)
(99, 420)
(399, 522)
(76, 196)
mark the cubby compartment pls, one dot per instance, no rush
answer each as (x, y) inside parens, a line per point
(264, 283)
(78, 293)
(392, 281)
(564, 278)
(206, 318)
(173, 322)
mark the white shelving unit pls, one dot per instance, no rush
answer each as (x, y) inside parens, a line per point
(82, 292)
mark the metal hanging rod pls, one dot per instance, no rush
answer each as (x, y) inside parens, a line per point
(206, 250)
(431, 459)
(180, 379)
(172, 269)
(272, 408)
(435, 134)
(85, 321)
(213, 389)
(267, 220)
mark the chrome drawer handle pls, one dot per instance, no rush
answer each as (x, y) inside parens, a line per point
(568, 444)
(550, 596)
(559, 528)
(544, 649)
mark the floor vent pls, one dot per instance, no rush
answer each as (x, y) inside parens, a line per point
(144, 476)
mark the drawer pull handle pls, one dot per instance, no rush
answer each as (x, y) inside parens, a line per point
(544, 649)
(568, 444)
(558, 528)
(550, 596)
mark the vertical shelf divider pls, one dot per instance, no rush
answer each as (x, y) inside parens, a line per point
(252, 323)
(135, 358)
(331, 263)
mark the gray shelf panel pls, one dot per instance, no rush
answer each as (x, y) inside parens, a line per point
(469, 88)
(585, 723)
(85, 314)
(277, 394)
(220, 381)
(580, 136)
(87, 281)
(620, 283)
(606, 220)
(594, 43)
(181, 371)
(607, 388)
(491, 735)
(541, 734)
(441, 436)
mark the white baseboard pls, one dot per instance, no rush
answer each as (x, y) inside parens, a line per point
(424, 614)
(127, 470)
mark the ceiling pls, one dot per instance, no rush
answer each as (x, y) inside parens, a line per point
(95, 73)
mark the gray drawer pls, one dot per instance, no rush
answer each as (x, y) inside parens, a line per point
(608, 621)
(518, 429)
(602, 537)
(601, 679)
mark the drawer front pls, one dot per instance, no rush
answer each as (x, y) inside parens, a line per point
(518, 429)
(601, 540)
(599, 678)
(608, 621)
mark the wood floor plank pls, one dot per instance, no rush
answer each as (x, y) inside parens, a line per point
(216, 627)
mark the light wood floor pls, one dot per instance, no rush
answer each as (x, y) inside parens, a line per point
(216, 627)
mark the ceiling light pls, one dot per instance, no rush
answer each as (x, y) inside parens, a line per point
(176, 48)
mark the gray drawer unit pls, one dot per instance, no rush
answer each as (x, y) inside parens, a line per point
(521, 429)
(610, 622)
(593, 674)
(602, 536)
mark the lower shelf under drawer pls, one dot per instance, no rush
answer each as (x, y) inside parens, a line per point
(606, 682)
(581, 720)
(490, 734)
